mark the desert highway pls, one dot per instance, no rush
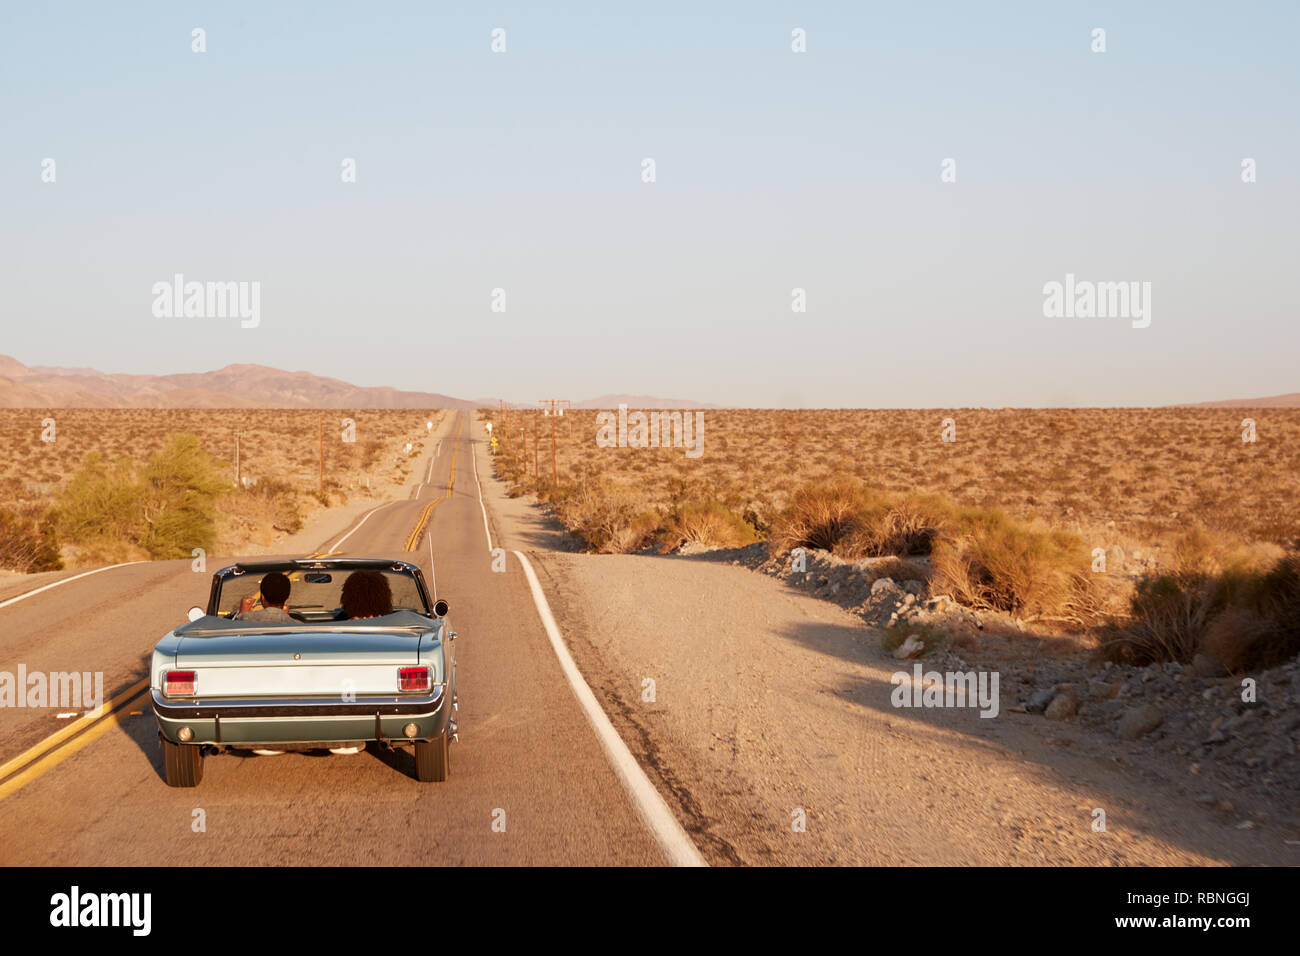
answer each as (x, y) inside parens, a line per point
(531, 781)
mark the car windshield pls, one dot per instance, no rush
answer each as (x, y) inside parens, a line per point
(314, 594)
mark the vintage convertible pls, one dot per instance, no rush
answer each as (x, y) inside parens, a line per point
(317, 681)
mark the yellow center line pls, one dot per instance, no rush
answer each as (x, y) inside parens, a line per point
(414, 537)
(52, 760)
(76, 726)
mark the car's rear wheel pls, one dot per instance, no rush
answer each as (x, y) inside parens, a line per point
(182, 764)
(432, 759)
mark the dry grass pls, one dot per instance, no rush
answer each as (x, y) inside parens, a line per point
(278, 456)
(1121, 479)
(1011, 513)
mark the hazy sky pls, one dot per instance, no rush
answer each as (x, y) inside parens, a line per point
(774, 170)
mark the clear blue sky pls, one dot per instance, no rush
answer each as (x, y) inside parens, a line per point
(775, 170)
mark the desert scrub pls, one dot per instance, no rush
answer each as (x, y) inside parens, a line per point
(821, 516)
(990, 560)
(1226, 600)
(165, 508)
(707, 522)
(28, 542)
(608, 518)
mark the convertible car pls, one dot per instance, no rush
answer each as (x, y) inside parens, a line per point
(315, 681)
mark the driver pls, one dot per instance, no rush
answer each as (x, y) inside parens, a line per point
(275, 595)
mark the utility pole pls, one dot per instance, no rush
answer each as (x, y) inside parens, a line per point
(537, 425)
(557, 407)
(238, 474)
(320, 453)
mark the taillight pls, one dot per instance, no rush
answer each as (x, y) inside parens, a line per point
(414, 678)
(178, 684)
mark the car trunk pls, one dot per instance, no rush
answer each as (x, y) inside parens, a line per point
(299, 663)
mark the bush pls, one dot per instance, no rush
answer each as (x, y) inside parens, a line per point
(906, 526)
(28, 543)
(1240, 617)
(166, 507)
(995, 562)
(821, 516)
(707, 522)
(608, 518)
(102, 501)
(180, 486)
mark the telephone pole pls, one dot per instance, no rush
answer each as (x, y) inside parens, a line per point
(556, 409)
(320, 453)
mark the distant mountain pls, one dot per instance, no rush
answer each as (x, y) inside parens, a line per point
(238, 386)
(1291, 400)
(235, 386)
(611, 402)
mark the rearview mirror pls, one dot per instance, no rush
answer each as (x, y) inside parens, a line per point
(440, 608)
(195, 613)
(317, 577)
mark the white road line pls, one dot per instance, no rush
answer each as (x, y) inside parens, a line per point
(363, 520)
(482, 507)
(75, 577)
(677, 846)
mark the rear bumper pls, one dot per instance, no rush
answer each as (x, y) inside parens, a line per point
(259, 720)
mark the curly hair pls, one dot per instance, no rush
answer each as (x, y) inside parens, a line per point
(275, 589)
(366, 594)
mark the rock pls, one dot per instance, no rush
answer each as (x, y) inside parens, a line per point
(1039, 700)
(1139, 721)
(1063, 706)
(913, 586)
(1232, 723)
(911, 647)
(882, 584)
(1102, 690)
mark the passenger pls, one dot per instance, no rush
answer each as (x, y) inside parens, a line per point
(366, 594)
(275, 595)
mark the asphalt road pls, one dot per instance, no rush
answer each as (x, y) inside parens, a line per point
(527, 756)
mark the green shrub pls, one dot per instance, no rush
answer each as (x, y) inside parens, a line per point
(101, 501)
(165, 507)
(180, 485)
